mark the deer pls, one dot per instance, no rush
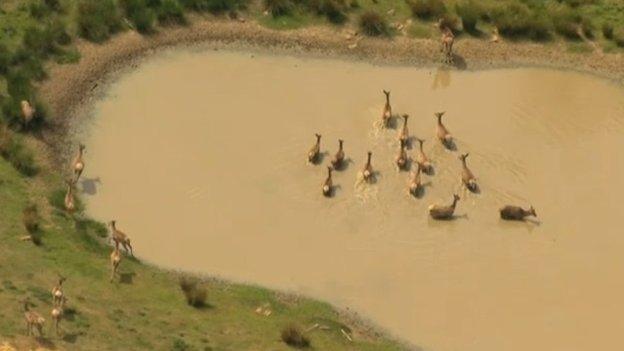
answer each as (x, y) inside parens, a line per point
(70, 203)
(33, 320)
(442, 132)
(442, 211)
(28, 112)
(338, 159)
(367, 172)
(57, 313)
(423, 161)
(120, 238)
(468, 179)
(516, 213)
(78, 163)
(415, 183)
(57, 291)
(404, 133)
(115, 260)
(401, 159)
(315, 150)
(447, 40)
(387, 110)
(328, 184)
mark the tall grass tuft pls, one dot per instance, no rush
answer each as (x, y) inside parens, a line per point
(427, 9)
(214, 6)
(607, 30)
(374, 24)
(13, 150)
(31, 218)
(470, 12)
(516, 20)
(567, 22)
(170, 12)
(194, 291)
(618, 37)
(278, 8)
(293, 336)
(98, 19)
(141, 16)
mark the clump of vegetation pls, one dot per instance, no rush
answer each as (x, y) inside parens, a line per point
(170, 12)
(13, 150)
(607, 30)
(516, 20)
(141, 16)
(279, 8)
(577, 3)
(214, 6)
(194, 291)
(180, 345)
(427, 9)
(98, 19)
(334, 10)
(31, 218)
(469, 12)
(451, 21)
(569, 23)
(618, 37)
(293, 336)
(374, 24)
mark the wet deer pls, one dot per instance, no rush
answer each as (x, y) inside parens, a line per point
(120, 238)
(468, 179)
(444, 211)
(442, 132)
(367, 172)
(315, 150)
(338, 160)
(401, 158)
(328, 184)
(516, 213)
(404, 133)
(386, 114)
(423, 161)
(415, 183)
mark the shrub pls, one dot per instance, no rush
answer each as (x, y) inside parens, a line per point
(97, 19)
(279, 8)
(58, 32)
(373, 24)
(141, 16)
(12, 149)
(214, 6)
(517, 20)
(40, 42)
(38, 9)
(607, 30)
(5, 59)
(618, 37)
(334, 10)
(54, 4)
(470, 13)
(568, 22)
(427, 9)
(30, 218)
(170, 12)
(293, 336)
(180, 345)
(451, 21)
(194, 292)
(577, 3)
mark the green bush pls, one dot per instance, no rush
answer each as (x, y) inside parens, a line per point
(469, 12)
(54, 5)
(214, 6)
(577, 3)
(40, 42)
(279, 8)
(97, 19)
(58, 32)
(451, 21)
(31, 218)
(13, 150)
(516, 20)
(293, 336)
(427, 9)
(618, 37)
(170, 12)
(39, 9)
(607, 30)
(333, 10)
(194, 291)
(5, 59)
(567, 23)
(141, 16)
(373, 24)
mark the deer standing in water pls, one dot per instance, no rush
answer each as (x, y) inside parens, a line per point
(423, 161)
(315, 150)
(367, 172)
(516, 213)
(78, 164)
(33, 320)
(387, 110)
(404, 133)
(443, 212)
(401, 159)
(120, 238)
(442, 133)
(328, 184)
(468, 179)
(447, 40)
(339, 157)
(415, 183)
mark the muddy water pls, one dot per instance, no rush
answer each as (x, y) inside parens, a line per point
(201, 159)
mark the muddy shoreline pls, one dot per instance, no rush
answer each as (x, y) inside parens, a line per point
(69, 86)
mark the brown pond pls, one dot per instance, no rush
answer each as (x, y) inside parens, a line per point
(201, 158)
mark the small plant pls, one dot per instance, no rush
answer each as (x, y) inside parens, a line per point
(293, 336)
(569, 23)
(194, 291)
(12, 149)
(427, 9)
(214, 6)
(516, 20)
(607, 30)
(470, 14)
(618, 37)
(374, 24)
(278, 8)
(170, 12)
(334, 10)
(98, 19)
(180, 345)
(30, 218)
(139, 14)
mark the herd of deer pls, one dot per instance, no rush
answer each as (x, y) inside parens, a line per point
(423, 165)
(34, 321)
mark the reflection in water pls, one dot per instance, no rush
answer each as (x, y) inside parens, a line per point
(210, 149)
(442, 78)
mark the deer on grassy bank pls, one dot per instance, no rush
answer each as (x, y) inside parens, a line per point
(57, 313)
(69, 202)
(443, 211)
(516, 213)
(447, 40)
(120, 238)
(33, 320)
(57, 291)
(115, 260)
(28, 112)
(78, 164)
